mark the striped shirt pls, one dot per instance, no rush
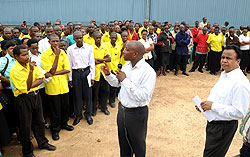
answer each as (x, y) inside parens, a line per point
(245, 128)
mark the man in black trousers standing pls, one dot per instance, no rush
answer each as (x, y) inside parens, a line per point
(137, 81)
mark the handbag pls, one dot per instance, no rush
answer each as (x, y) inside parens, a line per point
(2, 73)
(4, 100)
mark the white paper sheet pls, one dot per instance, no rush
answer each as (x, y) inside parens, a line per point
(207, 114)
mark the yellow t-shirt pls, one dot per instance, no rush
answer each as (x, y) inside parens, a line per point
(99, 53)
(106, 38)
(59, 83)
(216, 42)
(1, 39)
(19, 76)
(158, 31)
(141, 29)
(89, 40)
(26, 36)
(248, 32)
(122, 61)
(115, 53)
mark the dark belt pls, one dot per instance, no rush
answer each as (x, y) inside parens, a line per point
(132, 109)
(247, 144)
(223, 122)
(33, 93)
(81, 69)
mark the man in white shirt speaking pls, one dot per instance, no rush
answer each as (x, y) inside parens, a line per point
(137, 81)
(228, 101)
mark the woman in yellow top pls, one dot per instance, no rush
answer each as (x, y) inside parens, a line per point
(215, 42)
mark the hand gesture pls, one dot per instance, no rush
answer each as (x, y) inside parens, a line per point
(105, 69)
(70, 84)
(206, 105)
(120, 75)
(56, 50)
(32, 64)
(47, 75)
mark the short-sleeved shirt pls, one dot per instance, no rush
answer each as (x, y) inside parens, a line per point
(19, 76)
(115, 53)
(89, 40)
(26, 36)
(146, 44)
(70, 39)
(106, 38)
(59, 83)
(243, 38)
(216, 42)
(99, 53)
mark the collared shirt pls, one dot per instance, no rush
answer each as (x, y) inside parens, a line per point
(26, 36)
(3, 62)
(19, 76)
(138, 86)
(115, 53)
(230, 96)
(202, 46)
(99, 53)
(106, 38)
(70, 39)
(153, 37)
(216, 42)
(182, 41)
(202, 24)
(102, 33)
(89, 40)
(146, 44)
(244, 38)
(43, 45)
(80, 58)
(59, 83)
(245, 128)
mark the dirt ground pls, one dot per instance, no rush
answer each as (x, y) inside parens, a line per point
(175, 128)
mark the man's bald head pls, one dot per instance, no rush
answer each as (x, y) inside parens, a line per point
(97, 33)
(7, 29)
(137, 46)
(77, 33)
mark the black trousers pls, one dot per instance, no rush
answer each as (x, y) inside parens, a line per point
(100, 93)
(132, 131)
(112, 94)
(219, 135)
(4, 131)
(194, 51)
(30, 115)
(172, 64)
(150, 62)
(214, 61)
(81, 90)
(244, 151)
(44, 102)
(59, 111)
(9, 111)
(181, 61)
(244, 59)
(200, 60)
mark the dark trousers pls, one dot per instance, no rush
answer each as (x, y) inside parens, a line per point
(30, 114)
(44, 102)
(194, 51)
(150, 62)
(244, 151)
(181, 61)
(100, 93)
(132, 131)
(172, 64)
(71, 102)
(112, 94)
(59, 111)
(219, 135)
(9, 111)
(81, 90)
(214, 61)
(199, 61)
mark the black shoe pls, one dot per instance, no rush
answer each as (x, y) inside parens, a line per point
(93, 114)
(89, 120)
(29, 155)
(112, 105)
(212, 73)
(200, 71)
(185, 73)
(106, 112)
(55, 136)
(77, 120)
(191, 70)
(176, 72)
(68, 127)
(48, 147)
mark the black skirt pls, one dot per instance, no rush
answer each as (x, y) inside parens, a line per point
(244, 59)
(4, 130)
(165, 58)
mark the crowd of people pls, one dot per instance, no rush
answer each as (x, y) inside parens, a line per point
(51, 72)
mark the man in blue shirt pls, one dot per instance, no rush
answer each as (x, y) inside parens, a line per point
(182, 40)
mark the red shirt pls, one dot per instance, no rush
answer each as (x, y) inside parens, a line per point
(195, 33)
(133, 36)
(202, 43)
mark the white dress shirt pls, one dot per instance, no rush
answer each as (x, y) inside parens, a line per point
(80, 58)
(43, 45)
(38, 61)
(230, 96)
(138, 86)
(146, 44)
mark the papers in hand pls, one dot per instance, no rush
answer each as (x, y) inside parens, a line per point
(208, 114)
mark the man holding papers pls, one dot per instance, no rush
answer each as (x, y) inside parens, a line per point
(228, 102)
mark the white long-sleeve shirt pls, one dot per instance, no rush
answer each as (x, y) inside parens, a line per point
(80, 58)
(230, 96)
(138, 86)
(43, 45)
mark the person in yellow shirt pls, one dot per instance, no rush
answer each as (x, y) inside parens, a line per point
(100, 88)
(115, 52)
(145, 27)
(33, 30)
(106, 37)
(123, 45)
(215, 42)
(26, 77)
(56, 63)
(103, 28)
(89, 38)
